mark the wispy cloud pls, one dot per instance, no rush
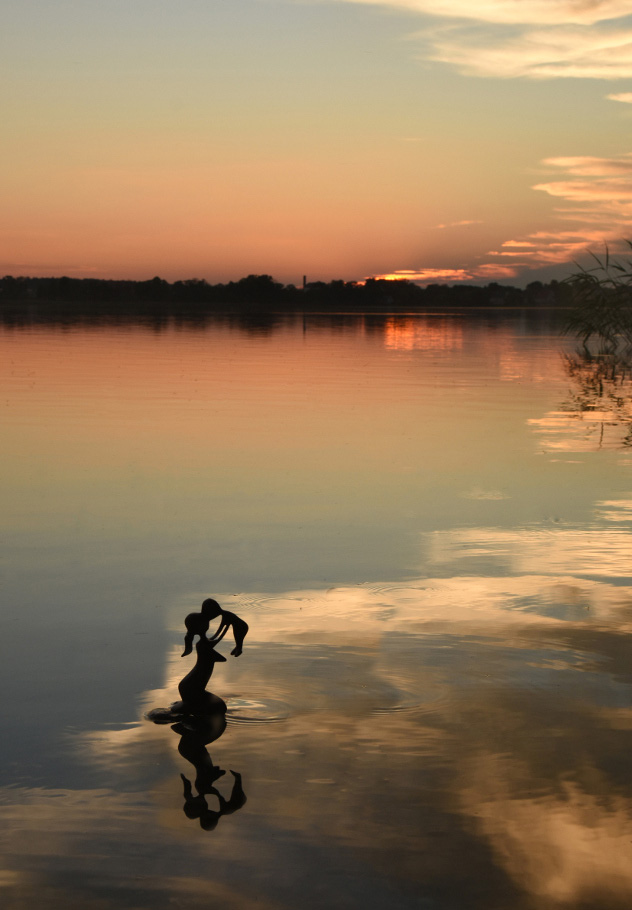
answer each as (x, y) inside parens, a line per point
(604, 191)
(588, 166)
(583, 12)
(556, 51)
(453, 224)
(548, 248)
(625, 97)
(538, 39)
(552, 248)
(597, 193)
(607, 191)
(597, 197)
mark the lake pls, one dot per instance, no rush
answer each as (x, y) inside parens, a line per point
(425, 521)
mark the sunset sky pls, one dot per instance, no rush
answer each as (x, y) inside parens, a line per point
(441, 140)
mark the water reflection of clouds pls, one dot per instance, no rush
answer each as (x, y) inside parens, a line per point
(615, 510)
(597, 412)
(564, 431)
(420, 726)
(482, 494)
(539, 779)
(98, 849)
(561, 847)
(603, 552)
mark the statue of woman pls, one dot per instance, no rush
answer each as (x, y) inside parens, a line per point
(192, 689)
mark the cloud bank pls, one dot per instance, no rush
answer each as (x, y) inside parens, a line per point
(560, 51)
(537, 12)
(597, 196)
(537, 39)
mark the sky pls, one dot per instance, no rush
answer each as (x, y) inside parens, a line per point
(439, 140)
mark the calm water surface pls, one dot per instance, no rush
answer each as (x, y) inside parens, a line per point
(426, 523)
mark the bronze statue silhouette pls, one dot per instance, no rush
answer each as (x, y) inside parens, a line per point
(201, 715)
(192, 688)
(195, 701)
(211, 610)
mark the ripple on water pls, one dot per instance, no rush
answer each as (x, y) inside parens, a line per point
(395, 592)
(254, 601)
(243, 710)
(405, 701)
(400, 701)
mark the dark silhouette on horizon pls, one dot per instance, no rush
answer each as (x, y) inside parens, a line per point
(256, 300)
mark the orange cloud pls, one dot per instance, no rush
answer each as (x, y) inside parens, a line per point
(550, 247)
(591, 166)
(490, 270)
(583, 191)
(425, 275)
(600, 204)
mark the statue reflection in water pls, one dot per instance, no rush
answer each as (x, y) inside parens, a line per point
(199, 718)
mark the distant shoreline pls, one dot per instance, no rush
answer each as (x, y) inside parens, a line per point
(44, 299)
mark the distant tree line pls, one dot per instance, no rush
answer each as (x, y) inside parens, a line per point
(261, 293)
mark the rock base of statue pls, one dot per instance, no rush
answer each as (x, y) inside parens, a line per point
(205, 705)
